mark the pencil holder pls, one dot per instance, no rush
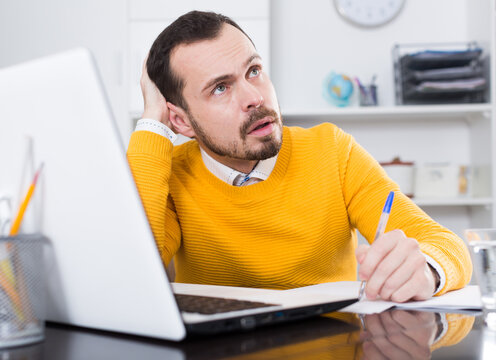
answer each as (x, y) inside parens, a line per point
(22, 290)
(368, 95)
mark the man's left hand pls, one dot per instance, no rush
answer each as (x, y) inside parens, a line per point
(395, 269)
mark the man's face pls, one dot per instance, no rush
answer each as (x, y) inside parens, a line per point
(233, 108)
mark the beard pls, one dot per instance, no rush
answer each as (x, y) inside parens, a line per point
(239, 148)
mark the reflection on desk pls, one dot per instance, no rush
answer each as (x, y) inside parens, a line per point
(395, 334)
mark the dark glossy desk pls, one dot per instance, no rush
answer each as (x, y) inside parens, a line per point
(394, 334)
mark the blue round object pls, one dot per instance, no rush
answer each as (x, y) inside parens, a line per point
(338, 89)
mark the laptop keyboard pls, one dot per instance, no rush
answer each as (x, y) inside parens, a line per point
(213, 305)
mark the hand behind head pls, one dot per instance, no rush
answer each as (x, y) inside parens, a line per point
(155, 103)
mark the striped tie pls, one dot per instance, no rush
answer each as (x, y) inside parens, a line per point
(244, 180)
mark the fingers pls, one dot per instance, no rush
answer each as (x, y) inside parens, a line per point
(395, 269)
(361, 251)
(372, 352)
(155, 103)
(381, 324)
(390, 350)
(398, 335)
(382, 258)
(378, 251)
(388, 275)
(412, 261)
(409, 346)
(144, 73)
(415, 339)
(419, 287)
(378, 345)
(413, 320)
(147, 85)
(143, 67)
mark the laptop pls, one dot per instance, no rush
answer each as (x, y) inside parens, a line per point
(103, 267)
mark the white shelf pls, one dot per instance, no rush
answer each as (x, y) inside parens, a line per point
(454, 202)
(463, 111)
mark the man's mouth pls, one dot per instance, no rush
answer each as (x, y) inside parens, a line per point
(262, 127)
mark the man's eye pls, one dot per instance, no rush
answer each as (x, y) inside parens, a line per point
(219, 89)
(254, 72)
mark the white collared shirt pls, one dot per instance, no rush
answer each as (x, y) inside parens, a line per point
(156, 127)
(236, 178)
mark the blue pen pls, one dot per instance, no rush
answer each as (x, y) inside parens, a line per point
(381, 228)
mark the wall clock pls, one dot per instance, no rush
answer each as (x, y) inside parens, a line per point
(369, 13)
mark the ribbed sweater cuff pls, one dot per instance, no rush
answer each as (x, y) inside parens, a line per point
(446, 264)
(146, 142)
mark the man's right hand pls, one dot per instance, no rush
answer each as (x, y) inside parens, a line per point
(155, 104)
(399, 334)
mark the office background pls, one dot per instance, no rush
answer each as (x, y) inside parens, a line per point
(301, 42)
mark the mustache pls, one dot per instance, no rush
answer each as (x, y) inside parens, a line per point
(255, 115)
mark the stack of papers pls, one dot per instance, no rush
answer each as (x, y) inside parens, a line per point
(466, 299)
(463, 84)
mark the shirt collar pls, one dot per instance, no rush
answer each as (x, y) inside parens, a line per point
(262, 170)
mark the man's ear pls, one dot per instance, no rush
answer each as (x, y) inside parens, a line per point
(180, 120)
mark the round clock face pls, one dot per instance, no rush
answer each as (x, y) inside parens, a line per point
(369, 13)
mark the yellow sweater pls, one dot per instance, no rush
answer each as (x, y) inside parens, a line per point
(294, 229)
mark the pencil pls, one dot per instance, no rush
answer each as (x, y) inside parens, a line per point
(22, 209)
(5, 267)
(11, 292)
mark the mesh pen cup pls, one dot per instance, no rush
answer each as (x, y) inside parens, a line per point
(368, 95)
(22, 290)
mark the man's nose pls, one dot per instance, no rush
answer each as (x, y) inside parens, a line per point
(251, 97)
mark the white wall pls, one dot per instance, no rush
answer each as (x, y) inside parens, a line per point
(309, 39)
(30, 29)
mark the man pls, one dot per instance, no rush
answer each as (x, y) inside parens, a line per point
(252, 203)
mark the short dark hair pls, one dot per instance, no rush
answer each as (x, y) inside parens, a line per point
(187, 29)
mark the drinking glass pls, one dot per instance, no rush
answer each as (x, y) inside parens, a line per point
(482, 245)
